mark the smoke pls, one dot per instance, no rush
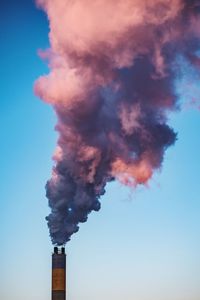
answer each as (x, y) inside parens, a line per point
(113, 67)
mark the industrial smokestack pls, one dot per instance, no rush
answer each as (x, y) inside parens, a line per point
(59, 274)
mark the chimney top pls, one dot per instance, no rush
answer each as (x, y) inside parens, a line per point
(59, 250)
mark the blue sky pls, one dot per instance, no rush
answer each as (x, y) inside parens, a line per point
(143, 244)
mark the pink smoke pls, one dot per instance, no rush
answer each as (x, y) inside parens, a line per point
(111, 82)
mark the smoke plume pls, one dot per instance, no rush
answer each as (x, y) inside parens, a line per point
(113, 66)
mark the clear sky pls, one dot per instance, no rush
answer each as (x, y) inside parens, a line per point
(141, 245)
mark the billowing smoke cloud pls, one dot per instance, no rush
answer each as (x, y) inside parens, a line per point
(113, 66)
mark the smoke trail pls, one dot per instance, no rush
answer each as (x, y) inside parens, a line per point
(113, 67)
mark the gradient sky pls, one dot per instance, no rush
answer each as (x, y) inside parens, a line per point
(141, 245)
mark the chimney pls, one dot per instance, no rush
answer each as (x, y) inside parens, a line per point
(59, 274)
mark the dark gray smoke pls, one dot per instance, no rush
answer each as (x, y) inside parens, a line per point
(112, 84)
